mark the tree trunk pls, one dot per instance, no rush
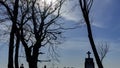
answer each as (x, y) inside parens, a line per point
(92, 42)
(32, 64)
(31, 59)
(13, 30)
(11, 48)
(15, 12)
(85, 8)
(34, 60)
(17, 52)
(94, 48)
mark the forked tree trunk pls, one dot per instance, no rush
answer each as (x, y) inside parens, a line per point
(34, 58)
(31, 59)
(12, 34)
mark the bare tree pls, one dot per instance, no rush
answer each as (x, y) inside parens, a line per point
(103, 49)
(85, 6)
(43, 29)
(34, 23)
(13, 17)
(12, 14)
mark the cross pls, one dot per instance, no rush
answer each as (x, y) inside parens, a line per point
(88, 54)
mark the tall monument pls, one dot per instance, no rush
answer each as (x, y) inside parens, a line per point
(89, 61)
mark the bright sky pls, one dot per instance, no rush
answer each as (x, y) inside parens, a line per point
(49, 1)
(105, 19)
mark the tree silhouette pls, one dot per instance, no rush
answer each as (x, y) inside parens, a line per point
(34, 24)
(43, 29)
(85, 6)
(13, 15)
(103, 49)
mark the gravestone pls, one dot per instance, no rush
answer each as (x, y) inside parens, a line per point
(89, 61)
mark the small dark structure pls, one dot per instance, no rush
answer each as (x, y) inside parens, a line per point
(22, 66)
(89, 61)
(44, 66)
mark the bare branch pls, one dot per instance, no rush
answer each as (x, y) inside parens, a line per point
(103, 49)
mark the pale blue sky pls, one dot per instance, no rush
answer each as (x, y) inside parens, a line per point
(105, 17)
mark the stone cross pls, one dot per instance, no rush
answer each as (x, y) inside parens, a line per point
(88, 54)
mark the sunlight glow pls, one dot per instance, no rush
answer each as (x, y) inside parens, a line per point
(49, 1)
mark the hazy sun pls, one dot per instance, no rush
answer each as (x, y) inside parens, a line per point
(49, 1)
